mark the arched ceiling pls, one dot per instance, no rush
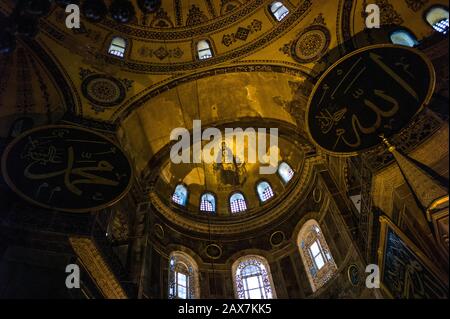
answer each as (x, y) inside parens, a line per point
(262, 69)
(161, 57)
(180, 15)
(168, 50)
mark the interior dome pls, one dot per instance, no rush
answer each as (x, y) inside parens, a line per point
(222, 180)
(179, 15)
(131, 81)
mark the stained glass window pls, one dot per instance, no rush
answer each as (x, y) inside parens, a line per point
(265, 192)
(180, 195)
(404, 37)
(252, 278)
(442, 26)
(237, 203)
(208, 203)
(437, 17)
(316, 255)
(118, 47)
(183, 277)
(285, 171)
(204, 50)
(279, 10)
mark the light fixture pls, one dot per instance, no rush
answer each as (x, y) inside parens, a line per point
(149, 6)
(122, 11)
(94, 10)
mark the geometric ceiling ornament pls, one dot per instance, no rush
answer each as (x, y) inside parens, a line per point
(103, 91)
(228, 6)
(311, 44)
(66, 168)
(376, 90)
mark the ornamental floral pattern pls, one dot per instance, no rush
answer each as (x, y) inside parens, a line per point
(416, 5)
(242, 33)
(388, 14)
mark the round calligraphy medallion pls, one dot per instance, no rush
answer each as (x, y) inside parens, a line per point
(213, 251)
(277, 238)
(373, 91)
(67, 168)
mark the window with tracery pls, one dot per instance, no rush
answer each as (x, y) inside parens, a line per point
(208, 203)
(286, 172)
(118, 47)
(265, 191)
(316, 255)
(437, 17)
(252, 278)
(183, 277)
(180, 195)
(279, 10)
(237, 203)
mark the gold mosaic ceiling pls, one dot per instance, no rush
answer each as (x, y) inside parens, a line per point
(245, 39)
(174, 16)
(261, 72)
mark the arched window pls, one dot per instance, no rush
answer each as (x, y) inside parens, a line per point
(316, 255)
(252, 278)
(208, 203)
(285, 171)
(118, 47)
(204, 50)
(265, 192)
(279, 10)
(437, 17)
(183, 276)
(404, 37)
(237, 203)
(180, 195)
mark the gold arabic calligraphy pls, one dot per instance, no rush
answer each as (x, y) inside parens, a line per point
(69, 171)
(329, 120)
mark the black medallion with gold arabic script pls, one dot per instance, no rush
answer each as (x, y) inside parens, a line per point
(67, 168)
(372, 91)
